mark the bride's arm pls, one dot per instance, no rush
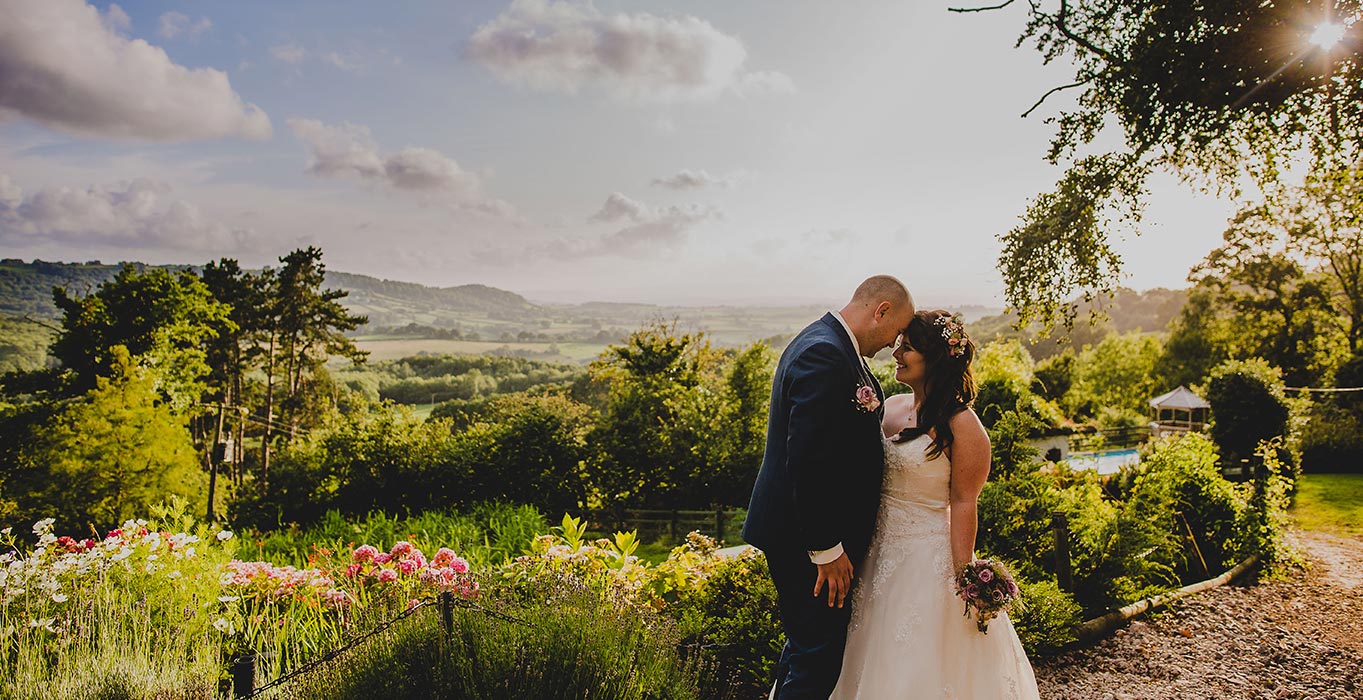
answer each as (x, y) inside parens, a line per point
(969, 470)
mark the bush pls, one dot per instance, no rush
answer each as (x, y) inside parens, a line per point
(567, 643)
(1048, 617)
(1248, 406)
(733, 616)
(1331, 440)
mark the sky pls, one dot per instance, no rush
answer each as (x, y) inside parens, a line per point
(698, 152)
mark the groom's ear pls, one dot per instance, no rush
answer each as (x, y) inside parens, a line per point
(882, 310)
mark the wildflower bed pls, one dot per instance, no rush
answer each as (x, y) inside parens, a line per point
(161, 608)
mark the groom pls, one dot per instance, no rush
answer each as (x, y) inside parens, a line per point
(813, 507)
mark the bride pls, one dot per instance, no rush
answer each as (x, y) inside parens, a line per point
(908, 636)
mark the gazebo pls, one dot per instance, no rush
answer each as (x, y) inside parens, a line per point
(1179, 411)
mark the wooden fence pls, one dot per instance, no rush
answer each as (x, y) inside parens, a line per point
(723, 524)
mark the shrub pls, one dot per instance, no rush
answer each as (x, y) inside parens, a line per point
(566, 643)
(1248, 406)
(1047, 618)
(732, 615)
(1331, 440)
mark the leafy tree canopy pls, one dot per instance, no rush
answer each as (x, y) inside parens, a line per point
(1211, 90)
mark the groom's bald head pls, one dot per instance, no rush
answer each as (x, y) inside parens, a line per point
(880, 308)
(883, 288)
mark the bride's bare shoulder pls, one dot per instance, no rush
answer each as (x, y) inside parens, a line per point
(898, 402)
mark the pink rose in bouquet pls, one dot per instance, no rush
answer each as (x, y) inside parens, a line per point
(987, 588)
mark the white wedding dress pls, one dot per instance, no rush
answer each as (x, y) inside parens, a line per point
(908, 638)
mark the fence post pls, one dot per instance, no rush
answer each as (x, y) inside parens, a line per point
(719, 524)
(1064, 576)
(244, 676)
(447, 612)
(674, 526)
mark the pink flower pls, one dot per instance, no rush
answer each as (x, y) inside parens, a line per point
(387, 576)
(460, 566)
(972, 592)
(986, 575)
(401, 549)
(382, 558)
(409, 566)
(444, 557)
(353, 570)
(866, 399)
(364, 553)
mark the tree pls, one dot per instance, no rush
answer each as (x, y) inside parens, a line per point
(109, 455)
(1282, 308)
(1208, 90)
(161, 319)
(1114, 379)
(307, 325)
(1248, 406)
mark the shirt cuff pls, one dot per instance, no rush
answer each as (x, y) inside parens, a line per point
(825, 556)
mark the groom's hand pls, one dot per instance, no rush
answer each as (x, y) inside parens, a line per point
(838, 575)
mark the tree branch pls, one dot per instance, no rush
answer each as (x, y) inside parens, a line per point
(1050, 92)
(999, 6)
(1069, 34)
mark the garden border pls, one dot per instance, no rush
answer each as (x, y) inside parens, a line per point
(1091, 630)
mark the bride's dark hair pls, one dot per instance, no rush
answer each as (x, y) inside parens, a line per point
(948, 383)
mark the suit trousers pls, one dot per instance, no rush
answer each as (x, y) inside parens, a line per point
(815, 633)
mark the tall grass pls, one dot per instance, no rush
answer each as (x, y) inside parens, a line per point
(486, 534)
(566, 644)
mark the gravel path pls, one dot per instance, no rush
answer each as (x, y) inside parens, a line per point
(1295, 638)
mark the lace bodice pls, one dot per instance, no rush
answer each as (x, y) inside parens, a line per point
(915, 494)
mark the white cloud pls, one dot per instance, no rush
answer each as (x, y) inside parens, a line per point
(116, 20)
(618, 207)
(141, 212)
(288, 53)
(569, 45)
(173, 24)
(65, 66)
(649, 233)
(348, 151)
(691, 180)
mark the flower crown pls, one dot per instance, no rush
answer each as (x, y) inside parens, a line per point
(953, 331)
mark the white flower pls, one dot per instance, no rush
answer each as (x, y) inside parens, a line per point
(174, 574)
(151, 557)
(227, 599)
(224, 535)
(59, 597)
(43, 526)
(225, 626)
(5, 533)
(122, 554)
(45, 623)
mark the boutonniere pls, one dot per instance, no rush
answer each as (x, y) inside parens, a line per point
(866, 399)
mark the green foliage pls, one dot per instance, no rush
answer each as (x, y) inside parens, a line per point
(1188, 512)
(486, 534)
(417, 380)
(162, 320)
(1054, 376)
(1048, 617)
(1010, 451)
(1248, 406)
(129, 619)
(679, 421)
(733, 615)
(23, 344)
(1211, 91)
(1331, 440)
(1118, 375)
(564, 644)
(102, 458)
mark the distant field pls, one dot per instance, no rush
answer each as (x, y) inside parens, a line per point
(381, 348)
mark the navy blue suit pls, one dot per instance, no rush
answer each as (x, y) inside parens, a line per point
(819, 485)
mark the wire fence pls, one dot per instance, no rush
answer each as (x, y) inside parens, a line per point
(243, 669)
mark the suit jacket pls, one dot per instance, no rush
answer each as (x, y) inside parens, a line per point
(821, 473)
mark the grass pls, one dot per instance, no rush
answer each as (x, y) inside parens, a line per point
(394, 348)
(1329, 502)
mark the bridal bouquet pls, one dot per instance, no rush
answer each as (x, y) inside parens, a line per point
(987, 588)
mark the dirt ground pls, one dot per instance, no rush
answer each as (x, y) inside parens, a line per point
(1300, 637)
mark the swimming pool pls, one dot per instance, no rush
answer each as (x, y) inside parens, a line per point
(1106, 461)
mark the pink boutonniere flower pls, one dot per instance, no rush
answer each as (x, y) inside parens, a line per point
(866, 399)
